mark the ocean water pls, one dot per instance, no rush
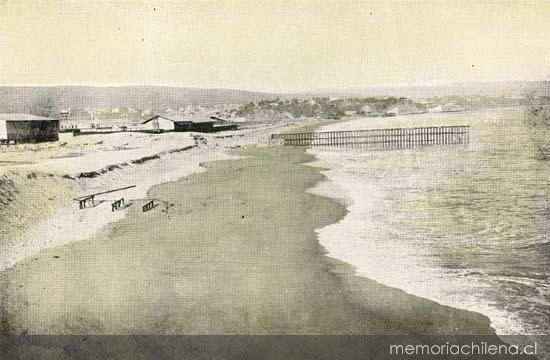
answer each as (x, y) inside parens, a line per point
(465, 225)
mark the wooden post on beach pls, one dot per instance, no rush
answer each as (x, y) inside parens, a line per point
(424, 136)
(86, 201)
(117, 205)
(399, 138)
(456, 134)
(148, 206)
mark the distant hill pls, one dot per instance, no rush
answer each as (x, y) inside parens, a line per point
(500, 88)
(45, 98)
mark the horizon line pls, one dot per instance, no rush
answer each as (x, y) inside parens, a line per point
(274, 91)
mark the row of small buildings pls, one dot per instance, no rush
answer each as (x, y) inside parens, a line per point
(25, 128)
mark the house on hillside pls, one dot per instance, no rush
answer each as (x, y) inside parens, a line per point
(368, 110)
(404, 109)
(25, 128)
(450, 107)
(436, 109)
(161, 123)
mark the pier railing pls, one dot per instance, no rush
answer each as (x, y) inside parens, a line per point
(399, 138)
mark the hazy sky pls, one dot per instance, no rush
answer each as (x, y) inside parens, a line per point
(272, 45)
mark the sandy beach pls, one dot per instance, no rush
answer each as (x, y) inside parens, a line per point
(281, 180)
(233, 250)
(40, 181)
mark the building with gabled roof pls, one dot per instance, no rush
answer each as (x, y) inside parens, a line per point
(160, 123)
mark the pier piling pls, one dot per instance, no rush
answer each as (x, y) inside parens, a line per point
(379, 139)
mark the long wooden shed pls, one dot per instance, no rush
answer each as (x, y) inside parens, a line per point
(159, 123)
(25, 128)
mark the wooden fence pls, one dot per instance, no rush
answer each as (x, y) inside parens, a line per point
(379, 139)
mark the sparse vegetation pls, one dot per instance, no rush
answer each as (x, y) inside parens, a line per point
(320, 106)
(537, 118)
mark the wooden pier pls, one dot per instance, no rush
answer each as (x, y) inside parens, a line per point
(379, 139)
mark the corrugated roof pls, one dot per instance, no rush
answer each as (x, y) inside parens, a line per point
(180, 119)
(23, 117)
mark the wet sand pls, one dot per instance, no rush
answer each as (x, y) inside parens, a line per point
(233, 250)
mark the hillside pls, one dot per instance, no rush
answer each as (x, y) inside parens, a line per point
(45, 99)
(495, 88)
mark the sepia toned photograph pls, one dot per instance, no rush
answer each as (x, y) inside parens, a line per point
(293, 179)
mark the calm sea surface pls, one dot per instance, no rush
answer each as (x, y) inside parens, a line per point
(465, 225)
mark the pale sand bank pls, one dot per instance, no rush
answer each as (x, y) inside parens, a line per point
(40, 212)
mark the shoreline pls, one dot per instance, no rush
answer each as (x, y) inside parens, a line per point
(60, 222)
(345, 183)
(234, 257)
(500, 321)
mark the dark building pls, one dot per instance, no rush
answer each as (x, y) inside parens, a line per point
(159, 123)
(24, 128)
